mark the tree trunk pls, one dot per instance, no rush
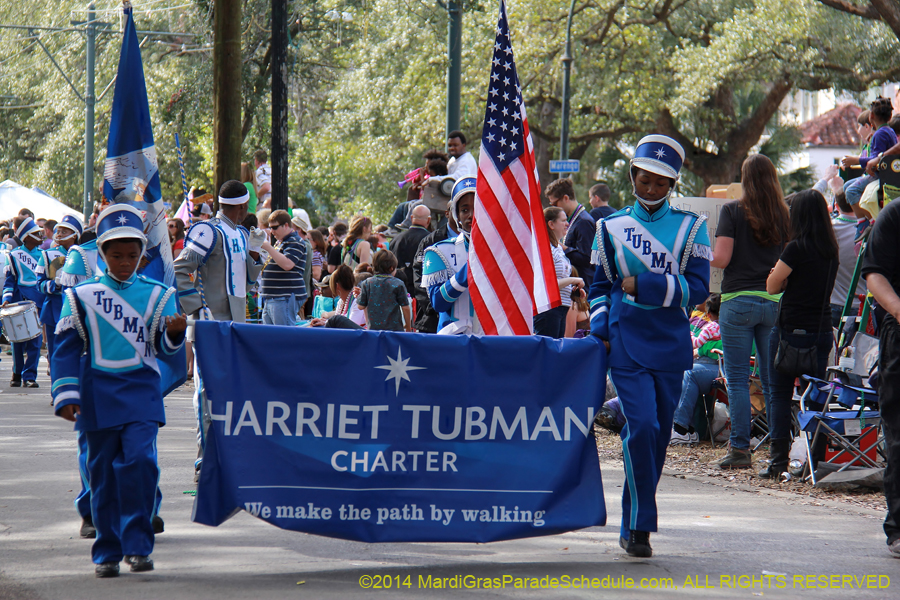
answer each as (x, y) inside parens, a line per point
(543, 147)
(227, 91)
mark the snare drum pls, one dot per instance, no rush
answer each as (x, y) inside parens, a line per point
(20, 321)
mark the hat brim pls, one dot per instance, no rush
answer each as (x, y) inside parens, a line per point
(655, 166)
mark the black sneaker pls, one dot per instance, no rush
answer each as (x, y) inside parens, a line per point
(139, 563)
(638, 544)
(158, 525)
(107, 569)
(15, 382)
(88, 531)
(30, 384)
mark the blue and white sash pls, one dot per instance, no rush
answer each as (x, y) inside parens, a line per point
(101, 304)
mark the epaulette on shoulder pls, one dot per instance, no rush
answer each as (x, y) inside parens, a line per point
(94, 279)
(686, 212)
(198, 228)
(146, 279)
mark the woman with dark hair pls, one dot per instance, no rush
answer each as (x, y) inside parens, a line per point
(805, 273)
(346, 313)
(752, 233)
(176, 236)
(356, 248)
(552, 323)
(318, 255)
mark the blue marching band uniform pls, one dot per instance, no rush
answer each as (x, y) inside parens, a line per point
(69, 226)
(445, 274)
(22, 283)
(668, 252)
(111, 337)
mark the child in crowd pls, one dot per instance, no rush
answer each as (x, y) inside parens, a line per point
(384, 298)
(112, 332)
(706, 339)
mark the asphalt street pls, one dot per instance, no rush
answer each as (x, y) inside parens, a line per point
(714, 541)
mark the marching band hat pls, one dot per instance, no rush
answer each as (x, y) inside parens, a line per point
(119, 222)
(71, 222)
(26, 228)
(659, 154)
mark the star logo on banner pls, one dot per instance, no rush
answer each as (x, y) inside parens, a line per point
(398, 369)
(122, 220)
(660, 153)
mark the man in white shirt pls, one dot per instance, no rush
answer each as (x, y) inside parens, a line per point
(263, 178)
(462, 163)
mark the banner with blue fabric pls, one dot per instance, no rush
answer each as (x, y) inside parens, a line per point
(398, 437)
(131, 176)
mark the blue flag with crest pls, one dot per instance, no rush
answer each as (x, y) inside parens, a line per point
(131, 173)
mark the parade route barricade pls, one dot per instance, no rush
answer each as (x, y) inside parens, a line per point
(399, 437)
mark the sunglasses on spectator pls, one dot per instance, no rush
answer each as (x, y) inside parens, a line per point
(274, 226)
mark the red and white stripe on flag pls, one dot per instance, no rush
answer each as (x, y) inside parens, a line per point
(511, 273)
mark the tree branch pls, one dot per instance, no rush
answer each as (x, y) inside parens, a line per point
(866, 12)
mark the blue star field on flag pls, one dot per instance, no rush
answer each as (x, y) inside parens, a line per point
(503, 135)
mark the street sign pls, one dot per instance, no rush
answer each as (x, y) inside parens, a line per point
(565, 166)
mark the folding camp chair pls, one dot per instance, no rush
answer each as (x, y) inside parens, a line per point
(846, 418)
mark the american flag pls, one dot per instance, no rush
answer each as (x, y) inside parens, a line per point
(510, 264)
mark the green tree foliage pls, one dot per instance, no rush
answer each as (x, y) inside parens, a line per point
(368, 93)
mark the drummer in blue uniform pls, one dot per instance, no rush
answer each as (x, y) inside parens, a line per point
(22, 284)
(653, 264)
(66, 235)
(113, 331)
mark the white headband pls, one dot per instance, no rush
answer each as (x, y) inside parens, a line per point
(238, 200)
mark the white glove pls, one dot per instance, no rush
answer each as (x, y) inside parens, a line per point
(257, 239)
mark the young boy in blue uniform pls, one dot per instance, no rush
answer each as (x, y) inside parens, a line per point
(22, 278)
(653, 264)
(113, 332)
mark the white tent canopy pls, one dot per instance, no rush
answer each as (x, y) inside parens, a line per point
(15, 197)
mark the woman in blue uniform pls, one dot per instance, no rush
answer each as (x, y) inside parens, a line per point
(653, 264)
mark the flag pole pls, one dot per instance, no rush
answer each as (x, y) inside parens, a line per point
(184, 185)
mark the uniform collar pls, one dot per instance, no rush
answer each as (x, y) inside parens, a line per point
(221, 216)
(117, 285)
(642, 214)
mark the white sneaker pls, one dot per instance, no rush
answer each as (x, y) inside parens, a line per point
(687, 439)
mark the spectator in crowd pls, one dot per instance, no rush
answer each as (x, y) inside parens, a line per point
(176, 236)
(49, 227)
(435, 166)
(262, 217)
(281, 287)
(263, 178)
(751, 236)
(883, 140)
(346, 314)
(248, 178)
(552, 323)
(805, 273)
(705, 338)
(26, 213)
(426, 316)
(578, 319)
(462, 163)
(881, 269)
(356, 249)
(600, 208)
(201, 212)
(407, 243)
(582, 228)
(844, 225)
(383, 297)
(335, 239)
(250, 221)
(319, 248)
(301, 225)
